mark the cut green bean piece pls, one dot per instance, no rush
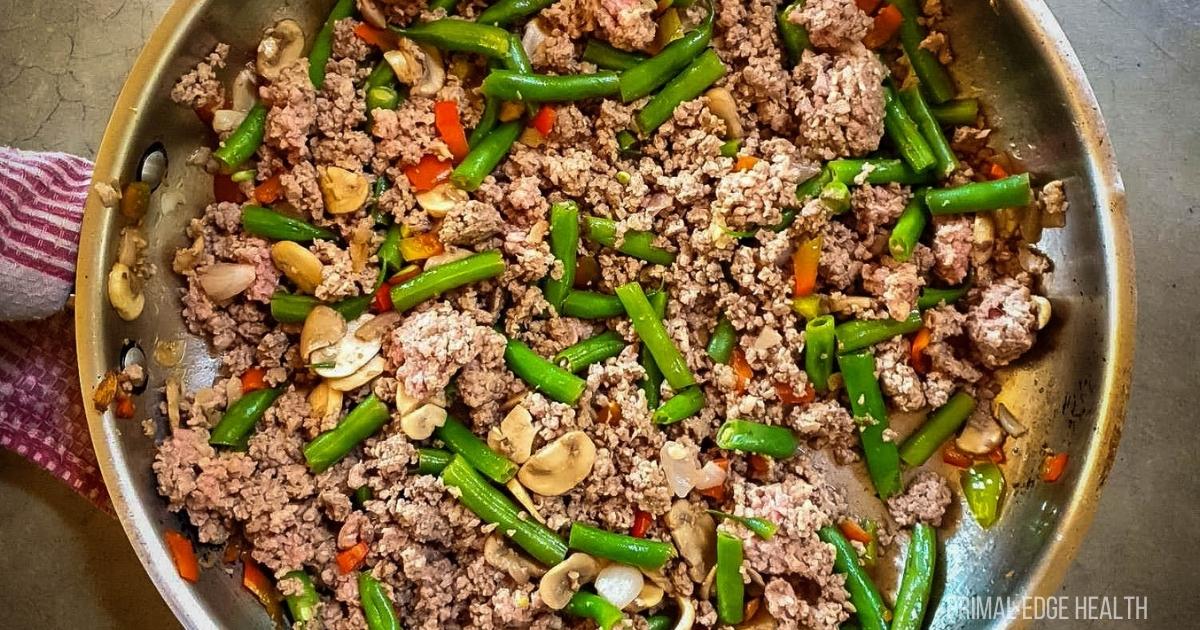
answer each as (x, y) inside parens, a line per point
(377, 609)
(237, 423)
(592, 305)
(761, 527)
(872, 613)
(652, 384)
(636, 243)
(462, 36)
(724, 338)
(659, 622)
(689, 84)
(915, 586)
(506, 12)
(653, 334)
(390, 258)
(492, 506)
(245, 139)
(381, 75)
(462, 442)
(515, 86)
(447, 277)
(268, 223)
(863, 333)
(755, 437)
(731, 591)
(931, 297)
(322, 43)
(564, 245)
(382, 98)
(362, 422)
(819, 344)
(794, 37)
(938, 428)
(1010, 192)
(836, 197)
(605, 56)
(813, 186)
(594, 349)
(809, 307)
(448, 6)
(958, 113)
(302, 605)
(681, 406)
(933, 76)
(431, 461)
(487, 121)
(878, 171)
(944, 158)
(289, 308)
(905, 134)
(730, 149)
(362, 494)
(866, 402)
(592, 606)
(908, 229)
(543, 375)
(643, 553)
(647, 76)
(485, 155)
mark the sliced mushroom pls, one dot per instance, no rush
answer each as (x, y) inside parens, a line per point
(417, 65)
(762, 620)
(565, 579)
(375, 328)
(322, 328)
(434, 76)
(497, 554)
(404, 403)
(687, 613)
(297, 263)
(123, 294)
(982, 434)
(983, 238)
(363, 375)
(324, 402)
(620, 584)
(722, 105)
(343, 191)
(441, 199)
(372, 13)
(560, 465)
(360, 246)
(133, 244)
(1044, 311)
(695, 534)
(282, 44)
(186, 259)
(514, 436)
(522, 496)
(650, 596)
(420, 424)
(347, 355)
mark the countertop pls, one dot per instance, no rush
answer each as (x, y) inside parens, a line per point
(65, 564)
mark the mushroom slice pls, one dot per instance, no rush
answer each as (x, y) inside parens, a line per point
(441, 199)
(372, 13)
(650, 596)
(514, 437)
(375, 328)
(522, 496)
(564, 579)
(324, 402)
(434, 75)
(174, 393)
(347, 355)
(125, 298)
(282, 44)
(982, 434)
(363, 375)
(762, 620)
(521, 569)
(343, 191)
(1011, 424)
(1044, 311)
(298, 264)
(560, 465)
(687, 613)
(707, 584)
(322, 328)
(620, 584)
(420, 424)
(695, 535)
(404, 403)
(722, 105)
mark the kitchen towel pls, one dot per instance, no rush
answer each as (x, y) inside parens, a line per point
(41, 408)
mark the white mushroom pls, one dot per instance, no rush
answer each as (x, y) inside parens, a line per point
(517, 566)
(620, 584)
(981, 435)
(404, 403)
(125, 298)
(514, 437)
(420, 424)
(721, 104)
(376, 328)
(323, 327)
(282, 44)
(522, 496)
(650, 596)
(347, 355)
(417, 65)
(443, 198)
(343, 191)
(222, 281)
(372, 13)
(297, 263)
(565, 579)
(324, 402)
(560, 465)
(1044, 311)
(695, 534)
(363, 375)
(244, 91)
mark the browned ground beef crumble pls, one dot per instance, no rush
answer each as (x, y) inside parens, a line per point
(424, 545)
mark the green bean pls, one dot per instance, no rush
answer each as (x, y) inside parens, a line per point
(682, 405)
(352, 308)
(870, 552)
(378, 187)
(934, 78)
(543, 375)
(378, 610)
(302, 605)
(649, 75)
(462, 442)
(518, 59)
(931, 297)
(447, 277)
(362, 422)
(794, 37)
(446, 5)
(596, 608)
(659, 622)
(390, 258)
(819, 350)
(289, 308)
(506, 12)
(761, 527)
(485, 155)
(322, 43)
(653, 334)
(267, 223)
(564, 245)
(961, 112)
(913, 597)
(872, 613)
(938, 428)
(491, 506)
(636, 243)
(245, 139)
(866, 402)
(857, 334)
(240, 176)
(687, 85)
(730, 148)
(594, 349)
(592, 305)
(237, 423)
(652, 384)
(382, 98)
(724, 338)
(983, 487)
(605, 56)
(462, 36)
(381, 75)
(514, 86)
(1010, 192)
(905, 134)
(731, 592)
(836, 197)
(362, 494)
(813, 186)
(431, 461)
(487, 121)
(627, 144)
(754, 437)
(909, 227)
(643, 553)
(943, 154)
(879, 171)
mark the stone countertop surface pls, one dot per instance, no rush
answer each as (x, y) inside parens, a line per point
(62, 63)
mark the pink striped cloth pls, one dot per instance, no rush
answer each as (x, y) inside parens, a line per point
(41, 409)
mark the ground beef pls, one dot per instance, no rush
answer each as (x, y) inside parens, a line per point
(1052, 201)
(897, 284)
(1002, 325)
(924, 500)
(430, 346)
(841, 111)
(876, 207)
(200, 89)
(836, 24)
(952, 241)
(897, 378)
(293, 112)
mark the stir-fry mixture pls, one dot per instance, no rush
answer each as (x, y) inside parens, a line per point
(561, 313)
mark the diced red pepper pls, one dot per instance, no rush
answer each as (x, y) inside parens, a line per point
(352, 558)
(951, 455)
(543, 121)
(759, 465)
(449, 126)
(421, 246)
(256, 581)
(997, 455)
(641, 523)
(125, 407)
(382, 300)
(225, 189)
(253, 379)
(741, 370)
(183, 556)
(917, 351)
(995, 171)
(745, 163)
(788, 396)
(805, 262)
(428, 173)
(887, 23)
(377, 37)
(852, 530)
(1053, 467)
(717, 492)
(269, 190)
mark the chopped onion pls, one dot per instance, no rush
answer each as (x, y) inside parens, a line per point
(227, 120)
(619, 584)
(710, 476)
(681, 467)
(245, 90)
(1011, 425)
(225, 280)
(533, 36)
